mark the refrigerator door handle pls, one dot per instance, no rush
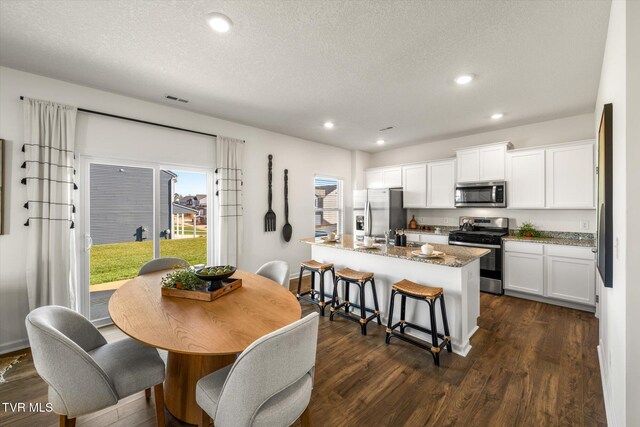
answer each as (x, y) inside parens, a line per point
(367, 219)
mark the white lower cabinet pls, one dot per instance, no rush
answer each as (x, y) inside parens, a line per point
(571, 274)
(559, 272)
(524, 272)
(440, 239)
(412, 237)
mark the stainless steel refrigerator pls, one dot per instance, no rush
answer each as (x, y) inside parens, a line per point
(378, 211)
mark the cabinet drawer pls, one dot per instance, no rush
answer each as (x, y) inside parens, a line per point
(413, 237)
(570, 252)
(441, 239)
(524, 247)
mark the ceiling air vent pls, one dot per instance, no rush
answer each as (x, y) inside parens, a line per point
(175, 98)
(387, 128)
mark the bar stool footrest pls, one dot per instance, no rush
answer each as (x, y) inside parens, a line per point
(412, 340)
(355, 318)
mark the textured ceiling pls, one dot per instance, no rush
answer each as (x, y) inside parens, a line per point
(288, 66)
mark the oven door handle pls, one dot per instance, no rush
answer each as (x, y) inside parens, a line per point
(475, 245)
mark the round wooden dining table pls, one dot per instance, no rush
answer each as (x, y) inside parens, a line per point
(200, 336)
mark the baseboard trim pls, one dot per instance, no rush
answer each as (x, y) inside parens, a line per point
(12, 346)
(296, 275)
(604, 376)
(568, 304)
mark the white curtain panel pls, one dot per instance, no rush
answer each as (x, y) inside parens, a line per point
(228, 196)
(49, 141)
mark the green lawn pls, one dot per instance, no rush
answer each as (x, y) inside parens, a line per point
(118, 261)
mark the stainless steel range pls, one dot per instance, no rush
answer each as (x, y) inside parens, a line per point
(484, 232)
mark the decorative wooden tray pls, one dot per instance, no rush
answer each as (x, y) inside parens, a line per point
(202, 294)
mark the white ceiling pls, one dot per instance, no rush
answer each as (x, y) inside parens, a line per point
(288, 66)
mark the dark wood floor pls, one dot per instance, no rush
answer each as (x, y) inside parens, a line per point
(532, 364)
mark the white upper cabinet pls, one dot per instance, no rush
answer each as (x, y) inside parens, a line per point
(571, 176)
(468, 165)
(484, 163)
(374, 178)
(526, 179)
(441, 182)
(392, 177)
(492, 163)
(414, 181)
(384, 177)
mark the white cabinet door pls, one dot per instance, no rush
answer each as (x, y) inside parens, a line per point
(415, 186)
(571, 273)
(440, 239)
(392, 177)
(571, 177)
(374, 178)
(524, 272)
(571, 279)
(413, 237)
(468, 165)
(491, 161)
(526, 179)
(441, 182)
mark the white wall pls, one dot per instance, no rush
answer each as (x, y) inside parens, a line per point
(613, 311)
(633, 213)
(550, 132)
(360, 161)
(99, 136)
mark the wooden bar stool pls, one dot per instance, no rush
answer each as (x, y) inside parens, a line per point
(360, 279)
(406, 288)
(314, 296)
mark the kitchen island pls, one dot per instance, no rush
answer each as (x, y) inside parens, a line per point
(457, 272)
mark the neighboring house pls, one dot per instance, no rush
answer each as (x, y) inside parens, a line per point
(121, 202)
(326, 197)
(197, 202)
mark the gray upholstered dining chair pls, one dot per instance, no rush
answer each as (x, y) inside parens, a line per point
(269, 384)
(278, 271)
(84, 372)
(162, 264)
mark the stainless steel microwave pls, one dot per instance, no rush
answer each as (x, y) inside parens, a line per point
(481, 195)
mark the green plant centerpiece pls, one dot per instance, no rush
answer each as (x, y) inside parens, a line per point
(215, 275)
(528, 230)
(184, 278)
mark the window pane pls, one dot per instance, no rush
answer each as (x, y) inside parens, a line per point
(327, 196)
(121, 227)
(183, 215)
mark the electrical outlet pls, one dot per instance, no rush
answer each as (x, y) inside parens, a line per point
(445, 220)
(584, 225)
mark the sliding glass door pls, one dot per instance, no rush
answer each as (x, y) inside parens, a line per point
(121, 228)
(133, 213)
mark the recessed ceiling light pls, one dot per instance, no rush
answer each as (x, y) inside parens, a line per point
(380, 142)
(464, 79)
(218, 22)
(328, 125)
(497, 116)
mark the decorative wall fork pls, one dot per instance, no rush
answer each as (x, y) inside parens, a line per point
(270, 217)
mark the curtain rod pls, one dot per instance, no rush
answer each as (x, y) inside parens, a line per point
(143, 121)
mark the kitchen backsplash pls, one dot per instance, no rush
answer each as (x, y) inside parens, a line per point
(572, 221)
